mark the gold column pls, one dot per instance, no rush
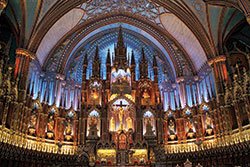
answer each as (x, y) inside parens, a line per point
(22, 69)
(220, 75)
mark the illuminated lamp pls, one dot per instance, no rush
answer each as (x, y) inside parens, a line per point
(172, 137)
(209, 131)
(50, 134)
(68, 137)
(190, 134)
(32, 131)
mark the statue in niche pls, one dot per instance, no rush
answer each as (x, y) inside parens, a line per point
(32, 123)
(152, 156)
(33, 120)
(149, 127)
(129, 123)
(146, 94)
(189, 124)
(93, 126)
(171, 127)
(121, 115)
(93, 122)
(68, 128)
(51, 123)
(208, 121)
(112, 124)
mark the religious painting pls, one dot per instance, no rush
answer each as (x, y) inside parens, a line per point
(121, 116)
(148, 123)
(93, 124)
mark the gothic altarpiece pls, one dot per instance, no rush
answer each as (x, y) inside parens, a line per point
(124, 131)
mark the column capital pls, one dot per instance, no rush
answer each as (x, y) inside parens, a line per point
(220, 58)
(26, 53)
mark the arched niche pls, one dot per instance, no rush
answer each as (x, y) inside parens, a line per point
(51, 122)
(205, 110)
(171, 125)
(34, 117)
(94, 120)
(149, 119)
(189, 122)
(70, 124)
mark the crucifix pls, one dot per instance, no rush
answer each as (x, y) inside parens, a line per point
(121, 115)
(121, 105)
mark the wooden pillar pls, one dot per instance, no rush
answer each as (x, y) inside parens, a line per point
(22, 68)
(220, 75)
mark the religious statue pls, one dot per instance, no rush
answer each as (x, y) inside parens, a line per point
(93, 127)
(208, 121)
(33, 120)
(112, 124)
(152, 156)
(189, 124)
(146, 94)
(149, 127)
(171, 127)
(51, 123)
(129, 123)
(68, 128)
(93, 122)
(121, 114)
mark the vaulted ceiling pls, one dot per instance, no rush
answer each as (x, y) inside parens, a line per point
(191, 31)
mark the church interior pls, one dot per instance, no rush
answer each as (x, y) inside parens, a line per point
(152, 83)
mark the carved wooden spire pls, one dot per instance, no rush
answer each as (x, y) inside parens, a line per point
(143, 66)
(96, 69)
(132, 58)
(120, 42)
(121, 52)
(108, 62)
